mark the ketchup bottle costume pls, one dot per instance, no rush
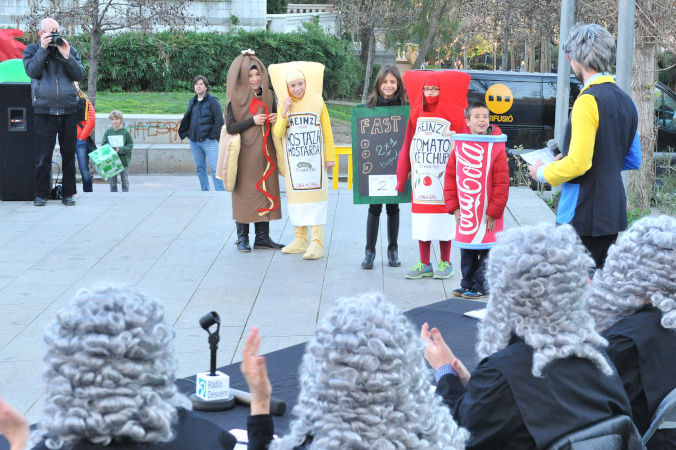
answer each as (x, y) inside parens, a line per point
(427, 146)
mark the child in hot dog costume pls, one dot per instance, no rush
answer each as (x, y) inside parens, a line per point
(306, 151)
(438, 101)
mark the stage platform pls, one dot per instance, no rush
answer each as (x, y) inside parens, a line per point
(178, 244)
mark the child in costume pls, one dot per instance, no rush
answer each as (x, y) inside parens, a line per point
(306, 151)
(388, 90)
(438, 100)
(251, 111)
(476, 188)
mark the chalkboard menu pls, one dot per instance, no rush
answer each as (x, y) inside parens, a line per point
(377, 138)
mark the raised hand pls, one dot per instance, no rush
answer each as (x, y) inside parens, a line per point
(255, 373)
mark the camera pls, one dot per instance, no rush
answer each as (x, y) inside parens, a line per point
(57, 40)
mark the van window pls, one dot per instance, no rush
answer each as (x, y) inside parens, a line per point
(669, 106)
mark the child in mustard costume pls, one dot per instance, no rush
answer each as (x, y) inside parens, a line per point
(306, 153)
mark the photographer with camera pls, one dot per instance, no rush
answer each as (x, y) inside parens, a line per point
(53, 65)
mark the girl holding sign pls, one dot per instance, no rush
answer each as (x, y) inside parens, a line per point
(305, 152)
(438, 100)
(388, 90)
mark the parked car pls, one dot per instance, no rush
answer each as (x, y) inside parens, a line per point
(523, 105)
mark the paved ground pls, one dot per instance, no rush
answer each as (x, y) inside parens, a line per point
(177, 243)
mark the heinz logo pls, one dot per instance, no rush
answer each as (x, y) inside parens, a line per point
(303, 165)
(499, 98)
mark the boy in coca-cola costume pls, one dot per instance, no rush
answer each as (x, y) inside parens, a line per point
(438, 100)
(473, 260)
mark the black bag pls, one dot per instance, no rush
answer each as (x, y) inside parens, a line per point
(82, 109)
(91, 145)
(57, 190)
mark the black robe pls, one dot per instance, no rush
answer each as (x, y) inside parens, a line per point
(504, 406)
(192, 432)
(644, 353)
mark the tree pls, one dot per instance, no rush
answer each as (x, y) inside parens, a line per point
(363, 17)
(98, 17)
(431, 22)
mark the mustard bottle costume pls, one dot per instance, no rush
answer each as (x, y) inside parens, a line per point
(307, 144)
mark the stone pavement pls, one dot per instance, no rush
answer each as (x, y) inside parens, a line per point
(177, 243)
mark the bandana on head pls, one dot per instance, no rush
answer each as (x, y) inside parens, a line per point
(431, 101)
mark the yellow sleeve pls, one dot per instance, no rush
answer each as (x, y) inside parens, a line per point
(329, 148)
(280, 125)
(584, 124)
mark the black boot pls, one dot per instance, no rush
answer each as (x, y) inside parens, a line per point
(243, 237)
(392, 236)
(263, 236)
(372, 223)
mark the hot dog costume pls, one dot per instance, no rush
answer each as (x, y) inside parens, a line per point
(427, 146)
(306, 145)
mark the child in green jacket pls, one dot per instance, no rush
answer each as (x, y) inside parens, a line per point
(119, 138)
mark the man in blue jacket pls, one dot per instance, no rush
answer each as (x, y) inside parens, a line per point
(53, 65)
(202, 124)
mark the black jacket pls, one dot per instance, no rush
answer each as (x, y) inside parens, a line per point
(261, 431)
(505, 406)
(191, 432)
(203, 120)
(644, 352)
(52, 77)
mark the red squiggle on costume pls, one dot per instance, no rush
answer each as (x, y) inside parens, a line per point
(255, 103)
(10, 48)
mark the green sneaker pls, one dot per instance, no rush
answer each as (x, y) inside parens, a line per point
(420, 270)
(445, 270)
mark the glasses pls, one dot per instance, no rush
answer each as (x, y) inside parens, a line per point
(431, 89)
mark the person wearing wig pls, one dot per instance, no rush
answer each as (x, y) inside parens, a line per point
(110, 373)
(438, 101)
(388, 90)
(251, 111)
(363, 385)
(634, 303)
(306, 152)
(543, 373)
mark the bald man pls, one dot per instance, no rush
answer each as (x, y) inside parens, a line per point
(53, 69)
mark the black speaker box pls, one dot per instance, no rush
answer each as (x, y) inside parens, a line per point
(17, 153)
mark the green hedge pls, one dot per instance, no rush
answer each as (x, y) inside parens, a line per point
(169, 61)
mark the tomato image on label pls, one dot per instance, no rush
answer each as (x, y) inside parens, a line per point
(427, 181)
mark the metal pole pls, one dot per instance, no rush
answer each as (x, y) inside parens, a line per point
(563, 73)
(625, 51)
(625, 44)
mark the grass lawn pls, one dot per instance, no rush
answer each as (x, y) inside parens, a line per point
(173, 103)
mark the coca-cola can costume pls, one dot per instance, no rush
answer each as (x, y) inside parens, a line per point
(475, 156)
(427, 146)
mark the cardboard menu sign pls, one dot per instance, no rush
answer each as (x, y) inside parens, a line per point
(377, 138)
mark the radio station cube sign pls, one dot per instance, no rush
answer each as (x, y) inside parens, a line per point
(377, 138)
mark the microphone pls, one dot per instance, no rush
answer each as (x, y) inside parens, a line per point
(277, 406)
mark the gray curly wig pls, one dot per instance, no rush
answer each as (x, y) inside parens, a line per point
(640, 267)
(538, 283)
(365, 385)
(110, 371)
(592, 46)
